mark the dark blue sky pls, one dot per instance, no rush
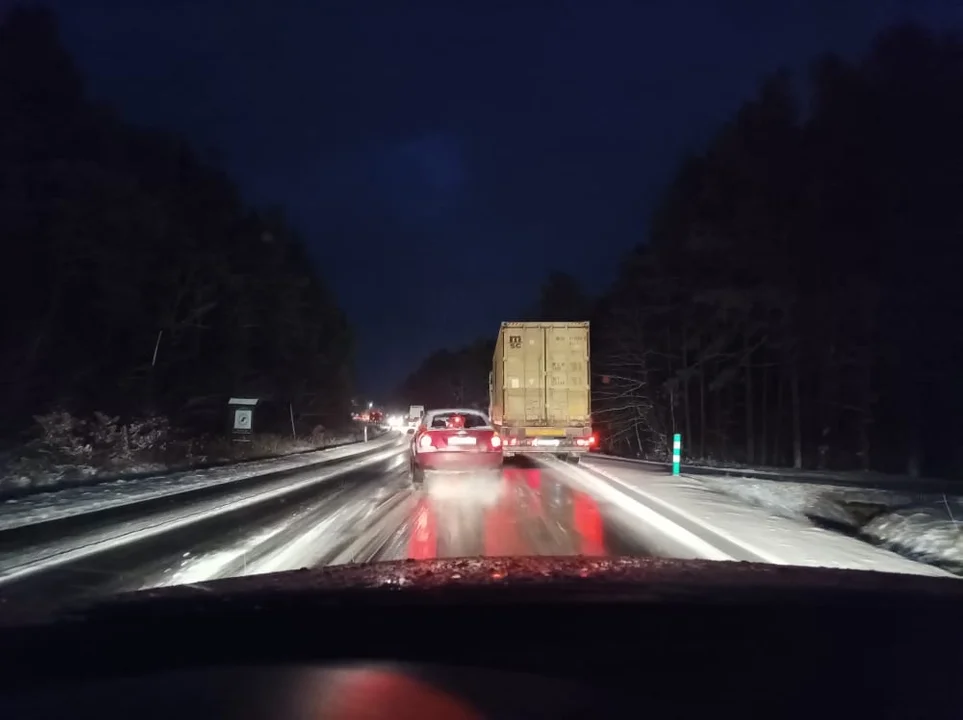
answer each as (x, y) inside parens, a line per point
(440, 162)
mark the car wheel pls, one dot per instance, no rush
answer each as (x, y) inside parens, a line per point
(417, 477)
(575, 458)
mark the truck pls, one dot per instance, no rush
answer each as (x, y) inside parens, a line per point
(415, 413)
(539, 389)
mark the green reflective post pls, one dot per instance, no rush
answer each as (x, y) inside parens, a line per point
(676, 452)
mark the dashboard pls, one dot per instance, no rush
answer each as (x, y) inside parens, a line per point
(553, 648)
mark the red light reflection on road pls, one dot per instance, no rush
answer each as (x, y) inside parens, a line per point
(500, 526)
(588, 524)
(528, 501)
(423, 544)
(533, 478)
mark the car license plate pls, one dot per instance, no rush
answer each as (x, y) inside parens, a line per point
(461, 440)
(546, 442)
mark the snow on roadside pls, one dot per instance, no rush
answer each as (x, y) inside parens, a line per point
(930, 533)
(16, 512)
(22, 474)
(923, 527)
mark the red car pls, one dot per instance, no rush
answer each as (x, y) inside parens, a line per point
(455, 440)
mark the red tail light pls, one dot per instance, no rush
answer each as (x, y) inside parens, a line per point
(586, 442)
(496, 441)
(424, 442)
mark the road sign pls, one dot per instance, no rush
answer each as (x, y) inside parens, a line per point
(242, 415)
(243, 419)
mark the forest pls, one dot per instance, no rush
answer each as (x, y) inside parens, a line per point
(795, 300)
(136, 281)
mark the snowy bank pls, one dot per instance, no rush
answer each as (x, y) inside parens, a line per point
(921, 526)
(75, 500)
(72, 452)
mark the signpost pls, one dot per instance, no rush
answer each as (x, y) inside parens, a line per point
(242, 417)
(676, 452)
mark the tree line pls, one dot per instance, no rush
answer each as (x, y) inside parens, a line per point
(135, 280)
(795, 301)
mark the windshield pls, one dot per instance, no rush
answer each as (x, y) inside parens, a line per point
(458, 419)
(293, 287)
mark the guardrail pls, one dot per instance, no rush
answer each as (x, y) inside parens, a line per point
(117, 512)
(16, 493)
(704, 469)
(57, 544)
(812, 477)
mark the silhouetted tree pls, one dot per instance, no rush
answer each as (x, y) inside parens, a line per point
(561, 299)
(797, 302)
(449, 378)
(134, 279)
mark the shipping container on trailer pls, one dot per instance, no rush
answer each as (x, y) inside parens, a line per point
(540, 390)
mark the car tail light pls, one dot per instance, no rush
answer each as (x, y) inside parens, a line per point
(496, 441)
(586, 442)
(424, 442)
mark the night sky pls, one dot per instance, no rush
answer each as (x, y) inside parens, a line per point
(439, 162)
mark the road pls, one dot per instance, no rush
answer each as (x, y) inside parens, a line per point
(368, 513)
(361, 508)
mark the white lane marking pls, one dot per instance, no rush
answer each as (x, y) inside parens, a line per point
(176, 522)
(683, 542)
(640, 495)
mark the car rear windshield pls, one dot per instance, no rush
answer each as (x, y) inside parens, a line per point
(472, 420)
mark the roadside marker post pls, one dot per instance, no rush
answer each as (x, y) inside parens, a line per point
(676, 452)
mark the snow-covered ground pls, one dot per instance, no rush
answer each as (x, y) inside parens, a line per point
(22, 473)
(926, 527)
(68, 501)
(700, 515)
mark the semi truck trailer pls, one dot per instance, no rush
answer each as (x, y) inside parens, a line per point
(539, 389)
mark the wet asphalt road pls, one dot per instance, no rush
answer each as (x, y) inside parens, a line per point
(371, 513)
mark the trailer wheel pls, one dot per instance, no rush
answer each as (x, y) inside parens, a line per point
(575, 458)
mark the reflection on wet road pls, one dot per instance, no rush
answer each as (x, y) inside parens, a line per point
(368, 512)
(526, 512)
(529, 510)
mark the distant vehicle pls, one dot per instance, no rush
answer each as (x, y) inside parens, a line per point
(539, 390)
(455, 441)
(415, 413)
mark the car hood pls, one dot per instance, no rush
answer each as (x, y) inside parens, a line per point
(517, 579)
